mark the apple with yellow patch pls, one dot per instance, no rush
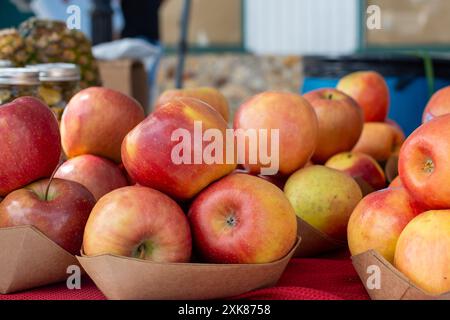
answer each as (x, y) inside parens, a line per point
(378, 220)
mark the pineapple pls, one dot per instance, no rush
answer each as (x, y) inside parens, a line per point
(14, 48)
(51, 42)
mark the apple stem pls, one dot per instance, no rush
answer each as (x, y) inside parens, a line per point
(47, 190)
(330, 96)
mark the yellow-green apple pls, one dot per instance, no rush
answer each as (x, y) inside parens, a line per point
(169, 152)
(370, 91)
(138, 222)
(96, 120)
(297, 125)
(423, 163)
(439, 104)
(29, 143)
(378, 220)
(242, 219)
(324, 198)
(379, 140)
(397, 182)
(211, 96)
(361, 167)
(423, 251)
(60, 212)
(340, 122)
(99, 175)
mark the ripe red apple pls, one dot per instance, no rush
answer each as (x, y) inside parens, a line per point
(138, 222)
(211, 96)
(340, 122)
(370, 91)
(397, 182)
(99, 175)
(324, 198)
(153, 157)
(423, 251)
(61, 214)
(96, 120)
(362, 167)
(29, 143)
(379, 140)
(296, 121)
(439, 104)
(423, 163)
(378, 220)
(242, 219)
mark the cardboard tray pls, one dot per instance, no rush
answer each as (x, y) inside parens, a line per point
(122, 278)
(314, 242)
(29, 259)
(394, 285)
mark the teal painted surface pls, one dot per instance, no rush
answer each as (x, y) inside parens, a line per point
(10, 16)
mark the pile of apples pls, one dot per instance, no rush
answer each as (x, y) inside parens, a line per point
(120, 191)
(409, 222)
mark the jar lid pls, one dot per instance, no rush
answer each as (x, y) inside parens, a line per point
(19, 76)
(5, 64)
(57, 71)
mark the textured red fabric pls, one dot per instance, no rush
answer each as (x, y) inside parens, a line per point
(325, 278)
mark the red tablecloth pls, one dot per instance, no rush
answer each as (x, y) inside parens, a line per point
(331, 277)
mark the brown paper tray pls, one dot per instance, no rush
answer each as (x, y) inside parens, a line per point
(314, 242)
(122, 278)
(29, 259)
(394, 285)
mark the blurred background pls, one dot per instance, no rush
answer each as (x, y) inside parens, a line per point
(246, 46)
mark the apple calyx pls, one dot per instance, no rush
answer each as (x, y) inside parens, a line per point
(143, 250)
(231, 221)
(428, 166)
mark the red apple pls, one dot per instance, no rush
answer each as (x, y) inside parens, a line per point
(378, 220)
(439, 104)
(29, 143)
(242, 219)
(61, 214)
(423, 163)
(96, 120)
(340, 122)
(397, 182)
(370, 91)
(379, 140)
(362, 167)
(296, 121)
(423, 251)
(211, 96)
(153, 156)
(138, 222)
(100, 176)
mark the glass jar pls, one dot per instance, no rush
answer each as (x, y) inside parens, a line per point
(59, 83)
(18, 82)
(6, 64)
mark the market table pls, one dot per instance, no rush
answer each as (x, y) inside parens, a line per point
(331, 277)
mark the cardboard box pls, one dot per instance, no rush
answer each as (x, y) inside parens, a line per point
(314, 242)
(212, 23)
(128, 77)
(122, 278)
(410, 22)
(393, 285)
(29, 259)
